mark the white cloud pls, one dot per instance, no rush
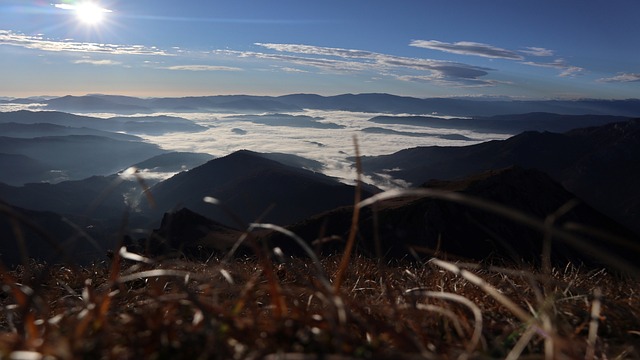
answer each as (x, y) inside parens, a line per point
(38, 42)
(560, 64)
(571, 71)
(326, 64)
(97, 62)
(537, 51)
(317, 50)
(490, 51)
(622, 77)
(202, 68)
(468, 48)
(292, 70)
(350, 60)
(443, 80)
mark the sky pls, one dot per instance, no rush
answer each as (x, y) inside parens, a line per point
(524, 49)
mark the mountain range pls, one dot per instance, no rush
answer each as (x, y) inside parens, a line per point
(507, 124)
(250, 186)
(375, 103)
(152, 125)
(48, 146)
(68, 173)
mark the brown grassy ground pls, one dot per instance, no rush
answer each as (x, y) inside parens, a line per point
(251, 309)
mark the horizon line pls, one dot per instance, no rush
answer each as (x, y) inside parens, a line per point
(459, 97)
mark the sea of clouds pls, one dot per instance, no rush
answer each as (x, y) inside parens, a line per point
(332, 145)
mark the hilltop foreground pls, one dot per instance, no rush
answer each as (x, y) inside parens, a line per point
(250, 309)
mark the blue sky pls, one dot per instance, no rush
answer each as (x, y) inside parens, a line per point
(522, 49)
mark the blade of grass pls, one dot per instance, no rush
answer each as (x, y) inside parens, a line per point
(593, 324)
(524, 340)
(346, 256)
(546, 242)
(487, 288)
(477, 314)
(312, 255)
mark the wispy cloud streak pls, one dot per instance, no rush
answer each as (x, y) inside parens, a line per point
(353, 60)
(621, 78)
(537, 51)
(38, 42)
(489, 51)
(98, 62)
(560, 64)
(468, 48)
(202, 68)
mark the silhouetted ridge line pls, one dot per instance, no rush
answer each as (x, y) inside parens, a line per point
(249, 185)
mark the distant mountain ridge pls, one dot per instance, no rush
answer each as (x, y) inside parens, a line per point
(509, 124)
(380, 103)
(18, 130)
(138, 125)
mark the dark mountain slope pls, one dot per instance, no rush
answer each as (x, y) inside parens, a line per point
(38, 130)
(141, 125)
(249, 184)
(100, 197)
(19, 169)
(47, 237)
(294, 161)
(80, 156)
(598, 164)
(56, 118)
(190, 234)
(452, 229)
(174, 161)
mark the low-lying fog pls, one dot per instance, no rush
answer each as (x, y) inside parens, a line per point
(324, 136)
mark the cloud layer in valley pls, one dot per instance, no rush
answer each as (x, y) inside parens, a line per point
(331, 145)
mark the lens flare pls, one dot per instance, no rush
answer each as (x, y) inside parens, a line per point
(90, 13)
(87, 12)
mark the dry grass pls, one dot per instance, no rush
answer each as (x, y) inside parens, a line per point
(226, 310)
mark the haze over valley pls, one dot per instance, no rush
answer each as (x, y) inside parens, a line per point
(284, 161)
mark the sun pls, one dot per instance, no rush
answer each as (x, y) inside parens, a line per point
(90, 13)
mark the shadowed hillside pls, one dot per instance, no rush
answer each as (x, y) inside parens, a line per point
(75, 156)
(46, 236)
(598, 164)
(433, 226)
(250, 186)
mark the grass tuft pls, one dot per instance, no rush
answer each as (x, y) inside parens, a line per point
(187, 309)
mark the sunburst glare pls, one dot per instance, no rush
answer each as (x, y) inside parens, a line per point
(87, 12)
